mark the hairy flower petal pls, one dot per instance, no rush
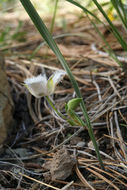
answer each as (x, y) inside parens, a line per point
(37, 85)
(58, 76)
(54, 80)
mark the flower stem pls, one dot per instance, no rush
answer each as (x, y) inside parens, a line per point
(54, 108)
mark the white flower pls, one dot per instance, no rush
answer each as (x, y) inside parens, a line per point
(39, 86)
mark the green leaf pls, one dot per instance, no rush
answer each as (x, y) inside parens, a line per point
(74, 103)
(75, 118)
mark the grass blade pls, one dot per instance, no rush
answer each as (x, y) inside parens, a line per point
(84, 9)
(109, 50)
(114, 29)
(120, 11)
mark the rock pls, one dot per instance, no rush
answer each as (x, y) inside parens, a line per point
(6, 104)
(81, 144)
(61, 165)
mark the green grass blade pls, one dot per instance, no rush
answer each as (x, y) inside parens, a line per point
(117, 5)
(48, 38)
(124, 9)
(54, 37)
(114, 29)
(109, 50)
(84, 9)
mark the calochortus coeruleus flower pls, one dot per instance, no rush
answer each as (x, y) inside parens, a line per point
(39, 86)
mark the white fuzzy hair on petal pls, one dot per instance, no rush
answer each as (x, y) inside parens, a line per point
(58, 76)
(37, 79)
(37, 85)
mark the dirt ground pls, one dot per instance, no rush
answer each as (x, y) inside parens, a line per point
(43, 151)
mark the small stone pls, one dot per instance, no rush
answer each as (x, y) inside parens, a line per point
(75, 140)
(21, 152)
(61, 165)
(81, 144)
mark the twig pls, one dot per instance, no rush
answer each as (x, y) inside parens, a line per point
(40, 182)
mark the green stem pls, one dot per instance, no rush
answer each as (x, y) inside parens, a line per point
(54, 108)
(54, 16)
